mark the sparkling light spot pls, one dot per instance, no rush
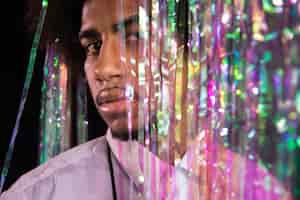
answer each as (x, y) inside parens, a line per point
(277, 2)
(224, 132)
(141, 179)
(255, 91)
(281, 125)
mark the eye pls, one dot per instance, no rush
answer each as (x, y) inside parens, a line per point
(93, 48)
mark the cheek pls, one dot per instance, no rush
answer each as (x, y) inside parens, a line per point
(89, 74)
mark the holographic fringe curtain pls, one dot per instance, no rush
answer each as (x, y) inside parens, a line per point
(224, 71)
(55, 110)
(236, 69)
(57, 131)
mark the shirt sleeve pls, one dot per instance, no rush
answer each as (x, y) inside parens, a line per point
(13, 196)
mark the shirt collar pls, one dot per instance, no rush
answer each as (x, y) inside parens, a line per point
(127, 154)
(131, 155)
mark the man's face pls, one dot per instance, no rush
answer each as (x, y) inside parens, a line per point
(109, 34)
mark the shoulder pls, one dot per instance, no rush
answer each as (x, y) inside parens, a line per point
(72, 159)
(252, 177)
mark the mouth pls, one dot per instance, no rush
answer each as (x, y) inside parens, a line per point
(113, 103)
(110, 95)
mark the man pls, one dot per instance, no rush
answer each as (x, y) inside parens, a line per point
(114, 166)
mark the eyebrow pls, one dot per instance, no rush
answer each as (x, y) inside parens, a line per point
(91, 33)
(125, 23)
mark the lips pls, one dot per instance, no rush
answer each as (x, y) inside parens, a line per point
(110, 95)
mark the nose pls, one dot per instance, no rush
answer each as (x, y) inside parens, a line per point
(108, 65)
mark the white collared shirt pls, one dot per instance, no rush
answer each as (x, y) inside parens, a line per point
(84, 173)
(198, 175)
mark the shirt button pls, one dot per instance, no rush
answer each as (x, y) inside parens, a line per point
(141, 179)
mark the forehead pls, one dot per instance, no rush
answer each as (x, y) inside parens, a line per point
(101, 14)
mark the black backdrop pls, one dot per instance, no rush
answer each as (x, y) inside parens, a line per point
(18, 27)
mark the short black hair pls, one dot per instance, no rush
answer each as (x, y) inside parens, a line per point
(63, 19)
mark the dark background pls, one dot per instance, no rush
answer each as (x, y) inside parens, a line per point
(16, 42)
(18, 27)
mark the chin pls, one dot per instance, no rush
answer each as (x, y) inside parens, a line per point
(119, 129)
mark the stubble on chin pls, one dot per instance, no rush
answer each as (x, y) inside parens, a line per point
(124, 135)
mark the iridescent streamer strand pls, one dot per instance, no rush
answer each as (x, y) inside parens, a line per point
(25, 91)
